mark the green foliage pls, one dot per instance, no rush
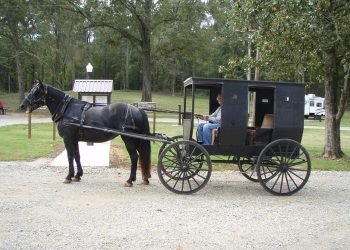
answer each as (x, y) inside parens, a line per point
(291, 36)
(188, 38)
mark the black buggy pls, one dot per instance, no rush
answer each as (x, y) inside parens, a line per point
(261, 130)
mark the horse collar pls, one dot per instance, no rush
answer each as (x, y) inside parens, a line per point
(61, 108)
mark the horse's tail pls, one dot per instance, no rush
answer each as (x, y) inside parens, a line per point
(145, 148)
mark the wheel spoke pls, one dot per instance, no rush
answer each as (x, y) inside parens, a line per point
(192, 177)
(189, 183)
(281, 183)
(247, 167)
(280, 152)
(302, 161)
(172, 178)
(269, 171)
(276, 181)
(170, 169)
(291, 158)
(177, 180)
(299, 169)
(295, 174)
(174, 161)
(183, 182)
(283, 167)
(297, 157)
(197, 156)
(274, 154)
(184, 167)
(292, 179)
(287, 181)
(287, 149)
(292, 153)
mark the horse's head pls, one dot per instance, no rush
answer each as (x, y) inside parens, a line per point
(36, 97)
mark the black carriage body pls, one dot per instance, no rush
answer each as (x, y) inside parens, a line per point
(246, 102)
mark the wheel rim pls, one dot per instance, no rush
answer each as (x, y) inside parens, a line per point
(184, 167)
(284, 167)
(173, 139)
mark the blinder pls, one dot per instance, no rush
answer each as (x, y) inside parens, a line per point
(37, 96)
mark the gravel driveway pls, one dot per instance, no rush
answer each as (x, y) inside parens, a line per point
(38, 211)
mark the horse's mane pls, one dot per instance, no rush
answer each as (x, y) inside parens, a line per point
(54, 91)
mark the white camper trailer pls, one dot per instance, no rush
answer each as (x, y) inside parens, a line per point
(314, 106)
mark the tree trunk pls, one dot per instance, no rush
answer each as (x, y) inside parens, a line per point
(126, 82)
(146, 77)
(19, 76)
(146, 51)
(332, 148)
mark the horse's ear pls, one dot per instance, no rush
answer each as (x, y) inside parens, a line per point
(39, 82)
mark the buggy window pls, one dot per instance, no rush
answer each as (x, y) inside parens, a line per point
(260, 102)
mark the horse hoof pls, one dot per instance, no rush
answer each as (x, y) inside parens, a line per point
(67, 181)
(127, 184)
(76, 179)
(145, 182)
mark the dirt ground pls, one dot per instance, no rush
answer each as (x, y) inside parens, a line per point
(38, 211)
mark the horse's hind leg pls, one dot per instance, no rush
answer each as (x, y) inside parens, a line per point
(79, 174)
(131, 148)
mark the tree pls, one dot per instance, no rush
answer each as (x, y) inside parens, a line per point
(136, 21)
(16, 24)
(59, 43)
(303, 40)
(184, 48)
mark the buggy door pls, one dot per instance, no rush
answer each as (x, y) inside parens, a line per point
(234, 114)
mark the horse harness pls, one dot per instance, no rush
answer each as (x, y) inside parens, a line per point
(82, 119)
(128, 114)
(61, 109)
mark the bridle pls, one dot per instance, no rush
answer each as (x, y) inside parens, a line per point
(36, 102)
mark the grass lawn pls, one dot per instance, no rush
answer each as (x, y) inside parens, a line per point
(17, 146)
(345, 121)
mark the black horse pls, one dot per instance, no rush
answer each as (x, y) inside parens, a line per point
(76, 121)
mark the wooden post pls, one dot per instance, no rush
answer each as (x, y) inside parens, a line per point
(54, 131)
(179, 114)
(29, 125)
(154, 123)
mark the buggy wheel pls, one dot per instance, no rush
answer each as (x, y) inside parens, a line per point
(283, 167)
(173, 139)
(184, 167)
(247, 167)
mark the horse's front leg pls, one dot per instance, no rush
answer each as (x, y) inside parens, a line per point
(79, 174)
(68, 143)
(131, 148)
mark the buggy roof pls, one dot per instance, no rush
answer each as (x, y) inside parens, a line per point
(202, 82)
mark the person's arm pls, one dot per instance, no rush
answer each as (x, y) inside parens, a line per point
(216, 116)
(198, 116)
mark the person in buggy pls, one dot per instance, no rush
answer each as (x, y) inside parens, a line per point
(213, 121)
